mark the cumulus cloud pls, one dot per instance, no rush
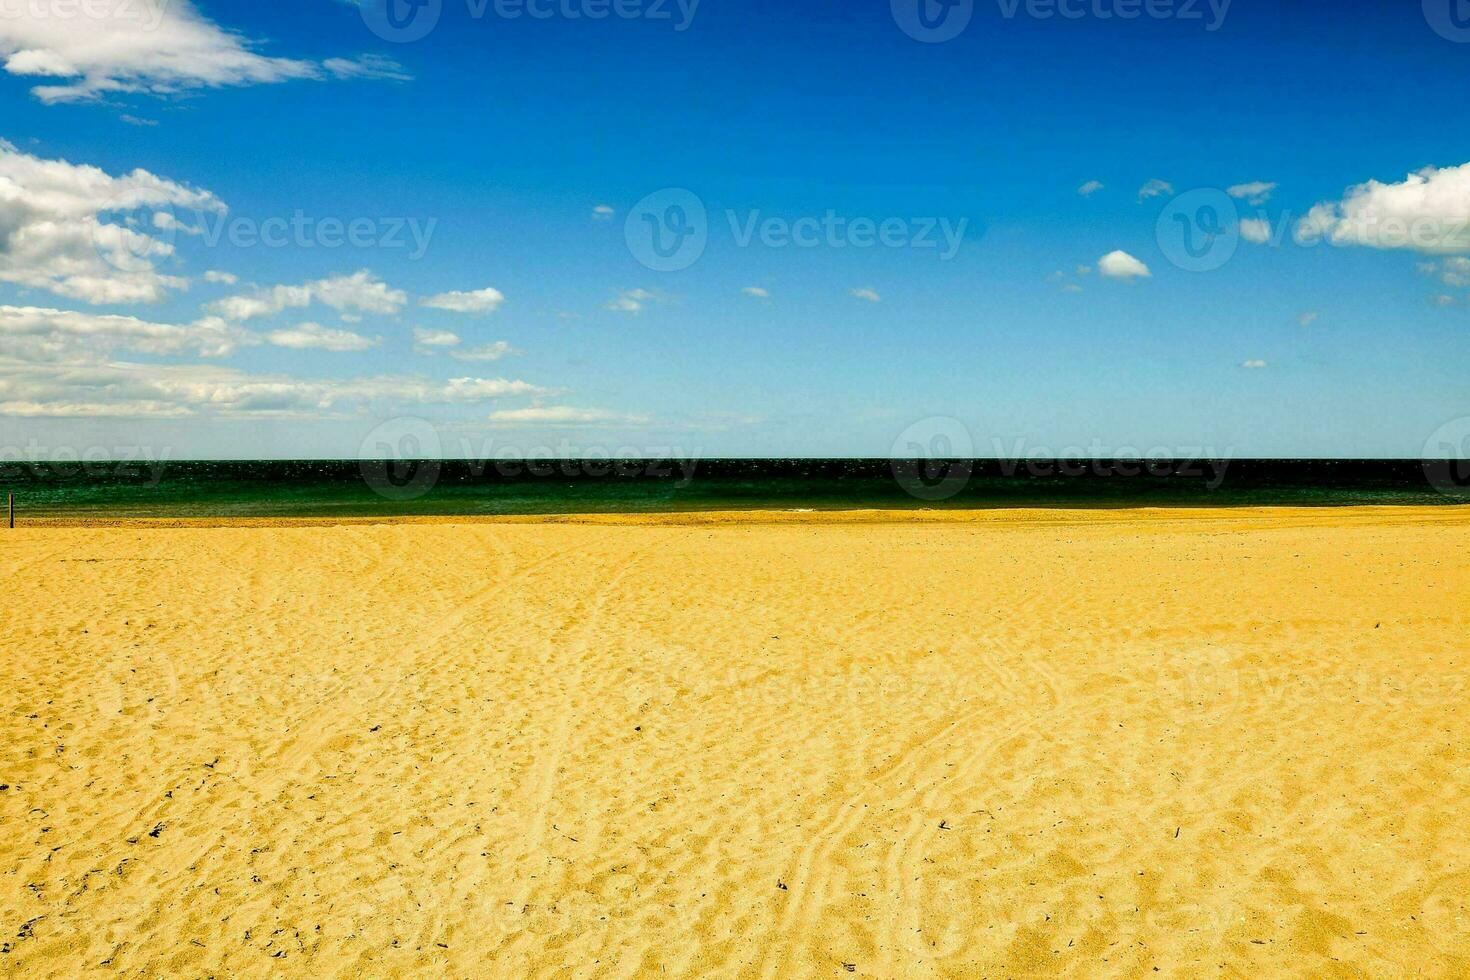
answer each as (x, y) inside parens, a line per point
(225, 278)
(432, 341)
(1453, 271)
(564, 415)
(866, 293)
(755, 292)
(630, 301)
(1120, 265)
(486, 300)
(1308, 318)
(42, 334)
(1257, 230)
(1155, 188)
(360, 292)
(79, 232)
(158, 47)
(131, 390)
(1256, 192)
(1253, 365)
(603, 212)
(1090, 188)
(314, 336)
(1428, 211)
(485, 352)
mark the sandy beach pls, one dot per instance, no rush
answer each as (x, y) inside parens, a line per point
(1012, 743)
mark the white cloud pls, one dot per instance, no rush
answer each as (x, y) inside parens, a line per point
(160, 47)
(1071, 287)
(1257, 230)
(369, 66)
(362, 291)
(227, 278)
(40, 334)
(483, 389)
(602, 212)
(1253, 365)
(432, 341)
(1120, 265)
(1453, 271)
(479, 301)
(1428, 211)
(314, 336)
(485, 352)
(1084, 270)
(867, 293)
(1090, 188)
(1155, 188)
(1308, 318)
(564, 415)
(1256, 192)
(630, 301)
(80, 232)
(122, 389)
(755, 292)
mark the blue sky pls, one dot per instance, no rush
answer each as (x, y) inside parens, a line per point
(1060, 319)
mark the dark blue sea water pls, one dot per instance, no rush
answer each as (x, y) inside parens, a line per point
(431, 487)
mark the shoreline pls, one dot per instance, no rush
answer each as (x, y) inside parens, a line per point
(1451, 512)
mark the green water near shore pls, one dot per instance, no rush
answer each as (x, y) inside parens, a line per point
(352, 488)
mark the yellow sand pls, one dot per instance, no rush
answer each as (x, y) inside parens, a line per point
(1005, 744)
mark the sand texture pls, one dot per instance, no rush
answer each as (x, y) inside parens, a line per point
(1010, 744)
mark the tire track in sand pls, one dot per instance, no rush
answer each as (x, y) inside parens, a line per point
(903, 874)
(583, 621)
(269, 775)
(809, 879)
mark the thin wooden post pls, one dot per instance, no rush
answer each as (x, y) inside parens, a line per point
(10, 503)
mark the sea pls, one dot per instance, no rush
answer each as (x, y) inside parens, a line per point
(428, 487)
